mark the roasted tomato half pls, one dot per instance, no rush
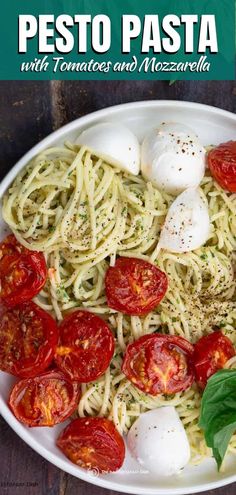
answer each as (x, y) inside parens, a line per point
(159, 364)
(86, 346)
(134, 286)
(28, 340)
(93, 443)
(23, 272)
(211, 353)
(222, 165)
(44, 400)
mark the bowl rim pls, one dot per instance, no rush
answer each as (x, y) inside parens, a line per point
(65, 465)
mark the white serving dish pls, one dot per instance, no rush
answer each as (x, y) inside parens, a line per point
(213, 126)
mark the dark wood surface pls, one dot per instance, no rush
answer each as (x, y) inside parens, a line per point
(28, 112)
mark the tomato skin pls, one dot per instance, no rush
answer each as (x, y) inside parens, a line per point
(134, 286)
(93, 443)
(45, 400)
(86, 346)
(211, 353)
(23, 273)
(222, 165)
(159, 364)
(28, 340)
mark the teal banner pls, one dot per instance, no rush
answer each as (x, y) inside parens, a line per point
(111, 39)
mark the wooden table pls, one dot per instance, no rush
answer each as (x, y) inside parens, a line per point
(28, 112)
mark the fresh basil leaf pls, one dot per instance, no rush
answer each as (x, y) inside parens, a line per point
(221, 441)
(218, 412)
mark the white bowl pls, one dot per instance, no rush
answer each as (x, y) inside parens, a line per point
(213, 126)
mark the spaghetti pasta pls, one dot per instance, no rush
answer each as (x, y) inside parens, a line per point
(82, 213)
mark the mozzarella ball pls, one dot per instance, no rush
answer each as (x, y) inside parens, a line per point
(187, 223)
(115, 143)
(159, 442)
(172, 158)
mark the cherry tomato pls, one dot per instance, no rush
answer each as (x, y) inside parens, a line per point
(45, 400)
(93, 443)
(134, 286)
(159, 364)
(211, 353)
(23, 273)
(222, 164)
(28, 340)
(86, 346)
